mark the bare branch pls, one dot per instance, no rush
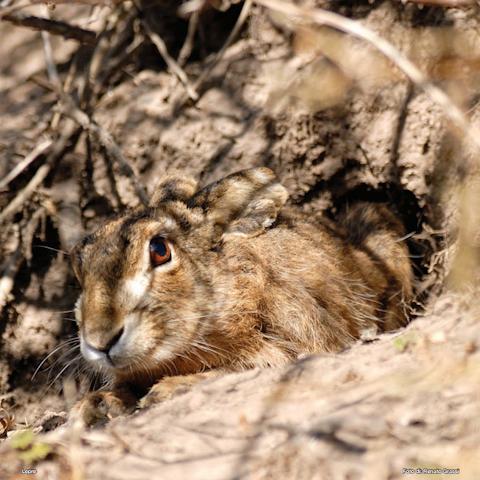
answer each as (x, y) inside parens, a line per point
(233, 34)
(55, 27)
(42, 147)
(57, 149)
(444, 3)
(13, 8)
(16, 204)
(84, 2)
(51, 67)
(187, 46)
(28, 3)
(106, 140)
(170, 61)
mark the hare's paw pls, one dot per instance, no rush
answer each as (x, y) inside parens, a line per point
(97, 408)
(170, 387)
(164, 390)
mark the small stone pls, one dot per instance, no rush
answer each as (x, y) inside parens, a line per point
(438, 337)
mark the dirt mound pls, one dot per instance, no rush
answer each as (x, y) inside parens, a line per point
(395, 402)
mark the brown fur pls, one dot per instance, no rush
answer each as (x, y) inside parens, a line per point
(251, 284)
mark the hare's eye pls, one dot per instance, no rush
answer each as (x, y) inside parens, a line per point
(160, 252)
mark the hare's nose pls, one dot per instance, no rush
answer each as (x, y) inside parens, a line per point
(108, 344)
(97, 349)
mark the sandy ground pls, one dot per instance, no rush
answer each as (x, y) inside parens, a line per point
(403, 400)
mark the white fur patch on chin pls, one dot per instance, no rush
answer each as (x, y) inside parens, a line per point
(137, 340)
(134, 342)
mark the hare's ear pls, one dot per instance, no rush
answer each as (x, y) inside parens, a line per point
(244, 203)
(173, 188)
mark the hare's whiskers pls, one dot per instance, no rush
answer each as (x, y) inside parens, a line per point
(59, 347)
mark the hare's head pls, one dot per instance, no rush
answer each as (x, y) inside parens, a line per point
(148, 277)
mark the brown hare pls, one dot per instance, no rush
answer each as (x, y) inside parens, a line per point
(227, 278)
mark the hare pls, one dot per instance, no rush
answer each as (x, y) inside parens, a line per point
(228, 278)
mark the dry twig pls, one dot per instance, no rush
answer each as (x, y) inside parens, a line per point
(245, 12)
(15, 205)
(444, 3)
(42, 147)
(69, 108)
(51, 67)
(28, 3)
(56, 27)
(113, 35)
(57, 149)
(13, 8)
(173, 66)
(187, 46)
(52, 73)
(116, 64)
(105, 139)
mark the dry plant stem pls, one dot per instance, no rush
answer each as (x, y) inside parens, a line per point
(67, 84)
(89, 80)
(13, 8)
(55, 27)
(115, 65)
(51, 70)
(322, 17)
(42, 147)
(16, 204)
(105, 139)
(233, 34)
(187, 46)
(173, 66)
(24, 195)
(51, 67)
(94, 15)
(18, 6)
(443, 3)
(84, 2)
(101, 52)
(52, 73)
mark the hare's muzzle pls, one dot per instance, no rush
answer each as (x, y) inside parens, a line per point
(102, 349)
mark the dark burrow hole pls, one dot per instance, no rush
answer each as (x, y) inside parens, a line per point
(213, 29)
(405, 204)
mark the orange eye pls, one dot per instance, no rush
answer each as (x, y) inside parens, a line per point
(160, 252)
